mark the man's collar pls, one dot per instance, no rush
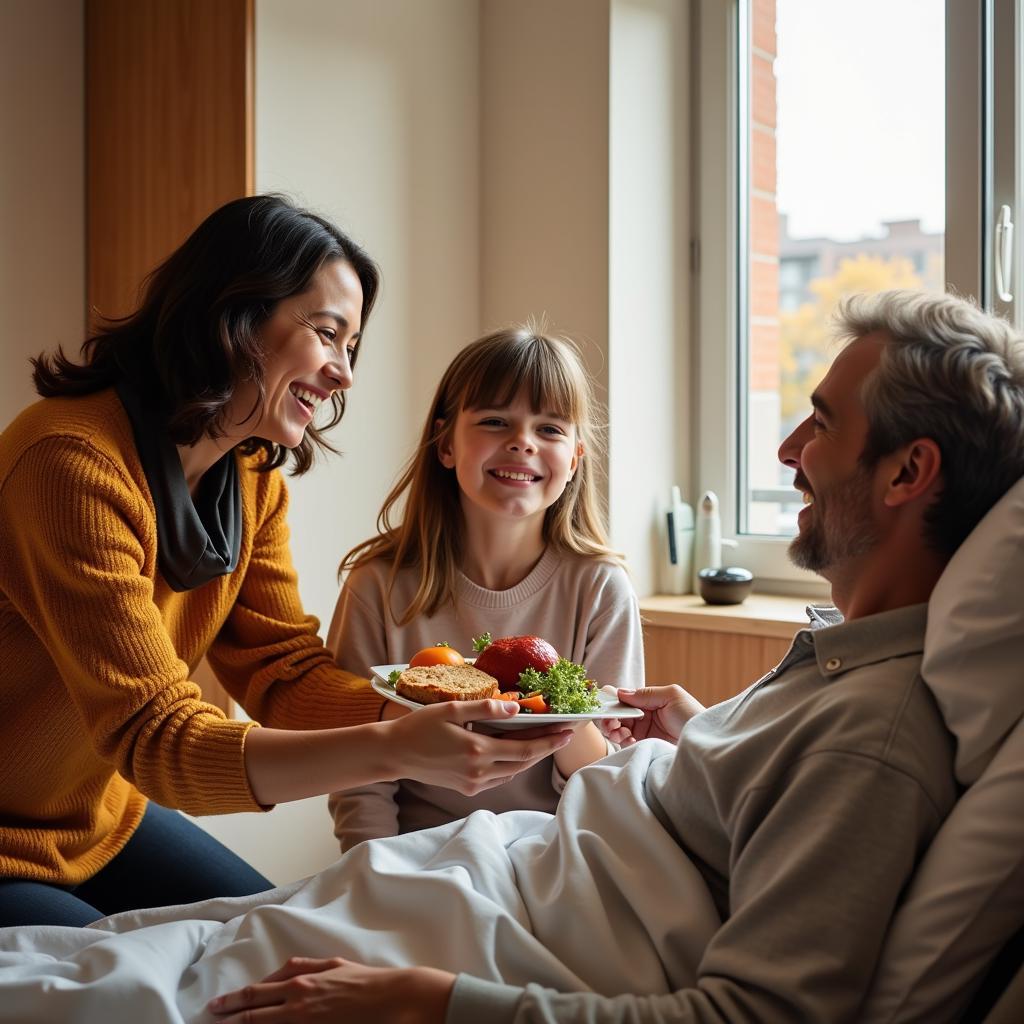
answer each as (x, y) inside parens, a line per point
(840, 646)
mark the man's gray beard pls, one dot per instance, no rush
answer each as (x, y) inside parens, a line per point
(841, 527)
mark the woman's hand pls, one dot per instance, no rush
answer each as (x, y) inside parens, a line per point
(666, 710)
(305, 989)
(435, 744)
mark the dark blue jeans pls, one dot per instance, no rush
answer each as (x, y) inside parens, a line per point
(168, 860)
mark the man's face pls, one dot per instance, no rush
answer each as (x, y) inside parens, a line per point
(837, 524)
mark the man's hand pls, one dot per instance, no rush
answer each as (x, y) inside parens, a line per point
(666, 710)
(304, 989)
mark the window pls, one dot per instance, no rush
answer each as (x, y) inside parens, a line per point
(826, 132)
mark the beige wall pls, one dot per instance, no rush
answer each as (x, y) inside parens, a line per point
(544, 168)
(649, 276)
(42, 189)
(368, 112)
(584, 217)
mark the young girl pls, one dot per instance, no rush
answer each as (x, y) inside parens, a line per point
(501, 532)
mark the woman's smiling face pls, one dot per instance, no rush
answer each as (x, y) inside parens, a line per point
(309, 342)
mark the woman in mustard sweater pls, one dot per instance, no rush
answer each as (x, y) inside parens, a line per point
(143, 526)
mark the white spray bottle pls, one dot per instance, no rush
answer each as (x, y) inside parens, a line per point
(707, 552)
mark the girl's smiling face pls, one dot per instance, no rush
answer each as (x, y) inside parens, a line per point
(511, 461)
(309, 343)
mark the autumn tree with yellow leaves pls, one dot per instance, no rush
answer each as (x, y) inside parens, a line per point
(806, 339)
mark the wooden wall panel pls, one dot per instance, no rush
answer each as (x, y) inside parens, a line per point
(169, 138)
(712, 665)
(169, 131)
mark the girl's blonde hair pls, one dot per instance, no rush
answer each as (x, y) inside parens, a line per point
(488, 373)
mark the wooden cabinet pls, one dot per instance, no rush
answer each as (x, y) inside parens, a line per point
(716, 651)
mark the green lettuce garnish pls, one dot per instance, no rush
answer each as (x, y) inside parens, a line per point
(564, 686)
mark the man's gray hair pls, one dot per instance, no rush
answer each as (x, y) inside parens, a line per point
(952, 373)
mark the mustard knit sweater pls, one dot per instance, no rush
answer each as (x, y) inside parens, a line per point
(96, 705)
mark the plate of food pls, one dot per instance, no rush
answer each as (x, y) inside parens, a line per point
(524, 669)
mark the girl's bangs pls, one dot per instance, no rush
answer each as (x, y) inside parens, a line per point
(536, 367)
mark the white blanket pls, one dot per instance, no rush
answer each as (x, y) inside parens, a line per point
(599, 897)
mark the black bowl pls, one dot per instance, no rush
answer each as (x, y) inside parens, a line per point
(725, 586)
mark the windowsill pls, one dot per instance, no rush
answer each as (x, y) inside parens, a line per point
(769, 615)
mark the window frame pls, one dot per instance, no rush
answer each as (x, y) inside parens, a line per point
(979, 94)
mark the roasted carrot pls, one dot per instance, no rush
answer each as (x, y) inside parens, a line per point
(536, 704)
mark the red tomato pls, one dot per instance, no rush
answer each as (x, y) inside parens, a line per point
(507, 656)
(439, 654)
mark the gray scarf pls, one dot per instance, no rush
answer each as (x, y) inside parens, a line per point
(197, 539)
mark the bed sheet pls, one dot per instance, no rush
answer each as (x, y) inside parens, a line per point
(575, 901)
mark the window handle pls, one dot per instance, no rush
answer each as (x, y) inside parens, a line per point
(1004, 253)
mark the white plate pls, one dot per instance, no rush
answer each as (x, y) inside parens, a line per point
(610, 707)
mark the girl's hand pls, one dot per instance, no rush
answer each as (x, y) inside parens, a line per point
(666, 710)
(435, 745)
(392, 710)
(588, 746)
(305, 989)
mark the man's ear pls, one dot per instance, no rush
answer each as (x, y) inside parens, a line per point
(444, 445)
(915, 472)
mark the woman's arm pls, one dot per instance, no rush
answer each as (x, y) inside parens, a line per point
(268, 655)
(77, 546)
(431, 745)
(75, 570)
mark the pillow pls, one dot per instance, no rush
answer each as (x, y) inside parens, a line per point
(966, 899)
(963, 904)
(974, 646)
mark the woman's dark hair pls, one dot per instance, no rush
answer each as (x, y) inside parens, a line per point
(196, 334)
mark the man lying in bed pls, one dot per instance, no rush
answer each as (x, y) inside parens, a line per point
(806, 801)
